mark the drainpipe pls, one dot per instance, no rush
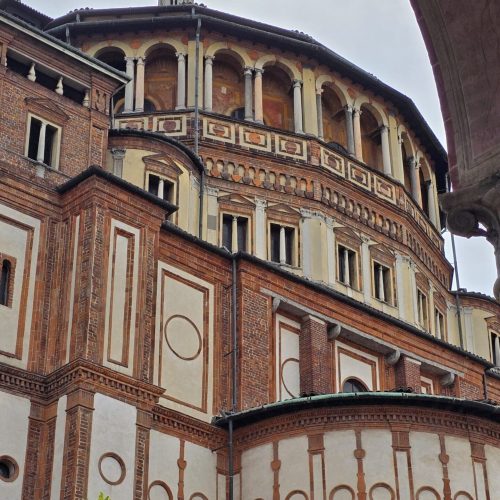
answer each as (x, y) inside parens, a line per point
(197, 118)
(234, 374)
(455, 263)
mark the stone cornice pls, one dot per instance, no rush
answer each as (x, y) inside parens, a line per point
(79, 374)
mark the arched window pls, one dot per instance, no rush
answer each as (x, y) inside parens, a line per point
(4, 282)
(353, 385)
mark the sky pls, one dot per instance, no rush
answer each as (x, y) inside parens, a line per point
(380, 36)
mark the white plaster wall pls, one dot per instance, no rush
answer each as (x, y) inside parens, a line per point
(257, 475)
(287, 347)
(460, 469)
(182, 373)
(427, 469)
(493, 468)
(55, 488)
(114, 328)
(379, 457)
(13, 438)
(340, 444)
(201, 473)
(294, 471)
(163, 456)
(13, 242)
(113, 430)
(349, 366)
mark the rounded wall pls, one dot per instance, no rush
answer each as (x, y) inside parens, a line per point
(372, 453)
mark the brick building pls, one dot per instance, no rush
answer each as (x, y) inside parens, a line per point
(222, 271)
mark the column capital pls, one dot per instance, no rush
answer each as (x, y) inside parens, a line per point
(356, 111)
(211, 191)
(118, 153)
(349, 108)
(141, 60)
(258, 71)
(209, 59)
(247, 70)
(412, 162)
(384, 129)
(129, 59)
(297, 83)
(260, 203)
(319, 91)
(180, 55)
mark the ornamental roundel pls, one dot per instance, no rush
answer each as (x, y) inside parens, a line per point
(183, 337)
(289, 372)
(112, 468)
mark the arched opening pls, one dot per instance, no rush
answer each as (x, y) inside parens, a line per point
(115, 58)
(354, 385)
(334, 120)
(371, 140)
(160, 80)
(228, 85)
(5, 282)
(277, 98)
(406, 167)
(424, 192)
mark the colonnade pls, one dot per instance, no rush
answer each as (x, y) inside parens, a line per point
(254, 111)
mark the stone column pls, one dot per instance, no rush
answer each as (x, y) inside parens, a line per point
(430, 203)
(386, 153)
(400, 286)
(468, 328)
(129, 88)
(358, 147)
(307, 241)
(297, 106)
(319, 107)
(282, 246)
(209, 64)
(497, 350)
(381, 289)
(347, 277)
(181, 80)
(330, 249)
(161, 189)
(139, 85)
(248, 94)
(260, 228)
(234, 234)
(366, 269)
(349, 129)
(413, 289)
(415, 180)
(259, 110)
(40, 155)
(118, 155)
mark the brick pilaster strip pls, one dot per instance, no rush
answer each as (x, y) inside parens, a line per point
(144, 421)
(77, 445)
(315, 357)
(408, 374)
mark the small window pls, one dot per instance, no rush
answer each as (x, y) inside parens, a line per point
(160, 187)
(238, 226)
(495, 348)
(43, 142)
(439, 324)
(353, 385)
(9, 470)
(348, 268)
(5, 278)
(282, 244)
(422, 310)
(382, 282)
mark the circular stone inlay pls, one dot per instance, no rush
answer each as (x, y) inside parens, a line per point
(183, 337)
(289, 376)
(112, 468)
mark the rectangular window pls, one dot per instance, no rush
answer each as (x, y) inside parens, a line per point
(348, 266)
(439, 324)
(422, 309)
(382, 283)
(43, 142)
(495, 348)
(282, 244)
(231, 223)
(160, 187)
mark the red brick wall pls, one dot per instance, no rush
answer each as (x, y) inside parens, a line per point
(408, 374)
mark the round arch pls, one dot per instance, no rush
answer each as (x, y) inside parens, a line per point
(159, 489)
(100, 47)
(355, 382)
(342, 492)
(284, 64)
(296, 494)
(327, 80)
(236, 52)
(147, 47)
(375, 109)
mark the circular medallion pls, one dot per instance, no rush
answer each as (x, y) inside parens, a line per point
(112, 468)
(183, 337)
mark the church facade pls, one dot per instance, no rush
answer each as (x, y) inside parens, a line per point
(222, 271)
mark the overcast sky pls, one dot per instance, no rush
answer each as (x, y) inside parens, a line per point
(380, 36)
